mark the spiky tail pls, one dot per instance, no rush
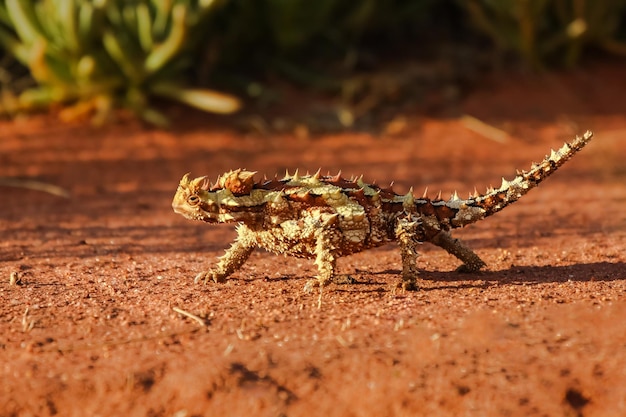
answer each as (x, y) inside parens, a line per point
(481, 206)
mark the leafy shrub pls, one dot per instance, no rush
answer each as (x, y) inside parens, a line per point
(98, 54)
(548, 31)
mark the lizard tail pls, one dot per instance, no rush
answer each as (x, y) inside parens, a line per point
(480, 206)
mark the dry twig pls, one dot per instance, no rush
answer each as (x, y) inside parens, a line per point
(484, 129)
(203, 322)
(34, 185)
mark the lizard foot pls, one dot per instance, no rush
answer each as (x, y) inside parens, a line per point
(407, 285)
(468, 269)
(311, 285)
(344, 279)
(209, 275)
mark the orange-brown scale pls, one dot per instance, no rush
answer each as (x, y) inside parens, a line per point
(443, 212)
(309, 198)
(359, 196)
(385, 193)
(437, 208)
(340, 182)
(274, 185)
(391, 206)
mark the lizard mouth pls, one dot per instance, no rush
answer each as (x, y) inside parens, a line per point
(195, 213)
(198, 213)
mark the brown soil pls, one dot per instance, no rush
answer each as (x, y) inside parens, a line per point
(89, 328)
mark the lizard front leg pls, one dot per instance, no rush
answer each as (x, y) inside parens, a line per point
(326, 238)
(232, 260)
(408, 238)
(471, 261)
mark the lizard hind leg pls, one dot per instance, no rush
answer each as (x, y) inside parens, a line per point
(471, 261)
(408, 238)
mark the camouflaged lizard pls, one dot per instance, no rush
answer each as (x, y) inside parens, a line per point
(326, 217)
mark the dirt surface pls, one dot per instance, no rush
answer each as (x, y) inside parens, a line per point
(89, 326)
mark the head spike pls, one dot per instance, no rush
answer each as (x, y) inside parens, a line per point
(505, 184)
(206, 184)
(317, 175)
(438, 195)
(425, 195)
(185, 179)
(455, 196)
(296, 176)
(197, 183)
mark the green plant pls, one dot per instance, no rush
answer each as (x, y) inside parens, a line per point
(98, 54)
(548, 30)
(301, 39)
(587, 22)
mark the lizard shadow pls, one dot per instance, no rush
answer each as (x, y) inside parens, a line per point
(516, 275)
(366, 281)
(344, 282)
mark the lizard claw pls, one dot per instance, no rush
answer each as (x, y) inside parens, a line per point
(310, 285)
(202, 276)
(208, 275)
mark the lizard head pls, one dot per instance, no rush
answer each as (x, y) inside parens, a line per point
(231, 199)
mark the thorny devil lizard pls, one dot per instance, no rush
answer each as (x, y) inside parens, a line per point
(326, 217)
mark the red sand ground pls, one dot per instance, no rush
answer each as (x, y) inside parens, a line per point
(90, 330)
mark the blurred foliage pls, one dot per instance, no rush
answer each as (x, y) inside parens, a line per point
(104, 53)
(550, 32)
(289, 36)
(100, 54)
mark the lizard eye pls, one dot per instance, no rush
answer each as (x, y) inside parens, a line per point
(193, 200)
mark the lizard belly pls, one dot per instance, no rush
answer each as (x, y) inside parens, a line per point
(299, 238)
